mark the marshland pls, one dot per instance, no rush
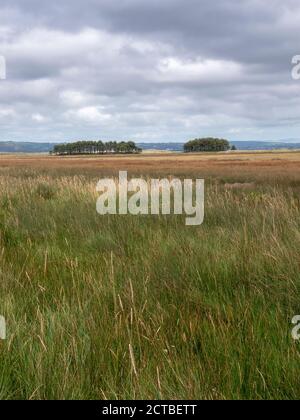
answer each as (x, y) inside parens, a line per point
(135, 307)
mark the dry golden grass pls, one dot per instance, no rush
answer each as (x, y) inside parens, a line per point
(245, 167)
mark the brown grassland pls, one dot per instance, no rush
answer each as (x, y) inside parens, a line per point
(259, 166)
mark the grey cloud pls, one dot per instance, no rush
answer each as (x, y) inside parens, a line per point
(163, 70)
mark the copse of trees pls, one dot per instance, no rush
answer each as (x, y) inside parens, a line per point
(207, 145)
(96, 148)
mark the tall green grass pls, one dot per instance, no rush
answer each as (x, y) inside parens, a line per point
(123, 307)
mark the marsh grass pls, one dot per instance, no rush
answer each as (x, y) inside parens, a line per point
(127, 307)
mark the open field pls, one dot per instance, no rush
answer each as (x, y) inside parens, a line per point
(258, 166)
(145, 307)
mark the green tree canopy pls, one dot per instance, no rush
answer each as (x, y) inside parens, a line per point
(207, 145)
(96, 148)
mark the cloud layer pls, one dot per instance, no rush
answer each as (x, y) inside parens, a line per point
(149, 71)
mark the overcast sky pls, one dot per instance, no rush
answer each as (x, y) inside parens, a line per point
(149, 70)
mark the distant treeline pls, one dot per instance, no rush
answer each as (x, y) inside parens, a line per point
(96, 148)
(208, 145)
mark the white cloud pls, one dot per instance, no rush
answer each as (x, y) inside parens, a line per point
(173, 69)
(89, 114)
(7, 113)
(39, 118)
(73, 98)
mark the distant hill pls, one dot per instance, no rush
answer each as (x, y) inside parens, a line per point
(25, 147)
(38, 147)
(172, 147)
(240, 145)
(260, 145)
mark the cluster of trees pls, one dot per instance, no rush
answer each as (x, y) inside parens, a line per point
(208, 145)
(95, 148)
